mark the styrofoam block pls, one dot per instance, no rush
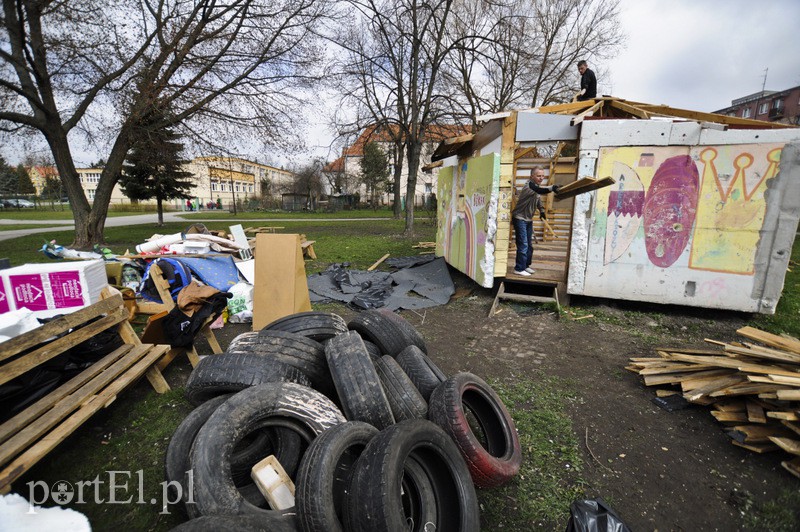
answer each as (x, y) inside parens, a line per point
(54, 288)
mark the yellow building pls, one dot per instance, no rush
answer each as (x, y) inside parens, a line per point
(225, 178)
(39, 175)
(232, 179)
(91, 176)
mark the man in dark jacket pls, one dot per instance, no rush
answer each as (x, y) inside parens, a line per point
(588, 82)
(528, 202)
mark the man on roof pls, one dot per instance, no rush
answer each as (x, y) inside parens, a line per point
(588, 82)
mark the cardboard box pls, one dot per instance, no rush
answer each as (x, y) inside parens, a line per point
(53, 288)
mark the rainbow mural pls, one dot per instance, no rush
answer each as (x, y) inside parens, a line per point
(467, 216)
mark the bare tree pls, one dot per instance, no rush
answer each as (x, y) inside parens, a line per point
(308, 181)
(529, 57)
(395, 52)
(97, 66)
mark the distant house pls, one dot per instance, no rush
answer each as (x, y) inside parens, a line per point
(348, 166)
(771, 106)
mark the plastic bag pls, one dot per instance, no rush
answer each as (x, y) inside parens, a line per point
(594, 515)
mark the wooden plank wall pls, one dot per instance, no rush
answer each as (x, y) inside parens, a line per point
(507, 173)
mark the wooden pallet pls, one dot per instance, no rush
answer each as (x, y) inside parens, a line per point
(30, 435)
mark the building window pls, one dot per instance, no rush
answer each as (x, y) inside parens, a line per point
(763, 108)
(214, 186)
(746, 112)
(777, 104)
(90, 192)
(428, 188)
(238, 188)
(250, 188)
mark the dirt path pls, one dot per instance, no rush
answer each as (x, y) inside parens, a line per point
(658, 470)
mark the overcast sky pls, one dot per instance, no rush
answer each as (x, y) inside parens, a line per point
(701, 54)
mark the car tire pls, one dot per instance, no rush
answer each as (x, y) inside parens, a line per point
(221, 374)
(422, 371)
(322, 480)
(381, 331)
(356, 380)
(494, 455)
(404, 397)
(440, 485)
(318, 326)
(292, 406)
(290, 348)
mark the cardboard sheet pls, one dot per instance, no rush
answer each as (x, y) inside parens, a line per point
(280, 279)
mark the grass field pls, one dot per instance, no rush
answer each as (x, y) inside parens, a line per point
(359, 243)
(278, 215)
(48, 214)
(16, 227)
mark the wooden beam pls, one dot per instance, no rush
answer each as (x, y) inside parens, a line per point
(588, 112)
(378, 262)
(630, 109)
(565, 108)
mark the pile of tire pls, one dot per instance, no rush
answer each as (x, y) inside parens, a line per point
(374, 435)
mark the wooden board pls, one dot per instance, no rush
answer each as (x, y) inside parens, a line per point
(787, 444)
(755, 412)
(792, 466)
(585, 184)
(39, 450)
(772, 340)
(58, 346)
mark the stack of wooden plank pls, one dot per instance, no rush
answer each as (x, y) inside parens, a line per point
(752, 388)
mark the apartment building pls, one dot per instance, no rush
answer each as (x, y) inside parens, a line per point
(771, 106)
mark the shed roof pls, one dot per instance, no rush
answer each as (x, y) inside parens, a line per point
(609, 107)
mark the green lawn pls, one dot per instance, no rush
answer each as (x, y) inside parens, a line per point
(14, 227)
(360, 243)
(278, 215)
(45, 213)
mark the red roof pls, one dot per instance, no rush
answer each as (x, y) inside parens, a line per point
(375, 133)
(336, 166)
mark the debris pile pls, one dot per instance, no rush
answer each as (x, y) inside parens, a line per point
(362, 428)
(752, 388)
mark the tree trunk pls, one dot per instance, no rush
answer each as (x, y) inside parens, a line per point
(160, 209)
(398, 173)
(414, 151)
(85, 229)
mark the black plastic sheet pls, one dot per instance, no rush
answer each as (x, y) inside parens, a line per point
(421, 284)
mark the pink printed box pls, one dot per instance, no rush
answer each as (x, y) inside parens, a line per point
(53, 288)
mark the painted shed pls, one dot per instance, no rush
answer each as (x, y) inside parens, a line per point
(703, 210)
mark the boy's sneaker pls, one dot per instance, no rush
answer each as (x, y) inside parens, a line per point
(524, 273)
(530, 270)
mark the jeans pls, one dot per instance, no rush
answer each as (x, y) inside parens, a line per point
(524, 238)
